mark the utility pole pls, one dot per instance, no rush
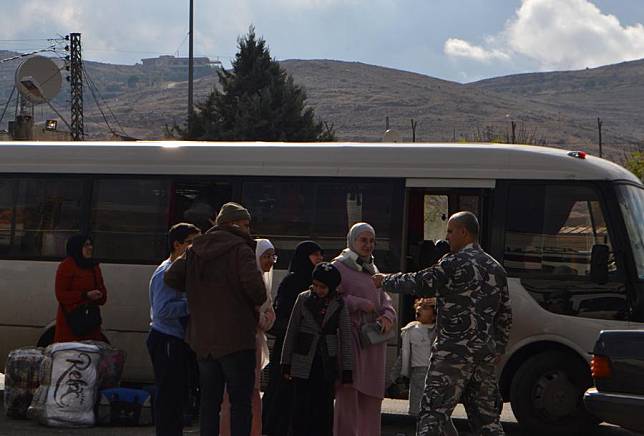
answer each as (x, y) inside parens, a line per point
(414, 123)
(76, 85)
(514, 132)
(599, 130)
(190, 69)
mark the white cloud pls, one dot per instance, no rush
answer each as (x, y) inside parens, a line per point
(309, 3)
(36, 14)
(558, 34)
(455, 47)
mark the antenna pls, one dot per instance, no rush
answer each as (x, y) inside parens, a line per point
(38, 79)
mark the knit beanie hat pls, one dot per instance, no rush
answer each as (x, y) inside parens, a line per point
(231, 212)
(328, 274)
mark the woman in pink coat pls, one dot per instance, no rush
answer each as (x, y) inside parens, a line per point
(357, 406)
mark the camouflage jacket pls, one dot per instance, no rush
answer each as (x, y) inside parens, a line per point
(474, 316)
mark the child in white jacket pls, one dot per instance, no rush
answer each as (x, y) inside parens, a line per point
(417, 339)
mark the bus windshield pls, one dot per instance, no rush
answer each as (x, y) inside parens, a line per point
(631, 200)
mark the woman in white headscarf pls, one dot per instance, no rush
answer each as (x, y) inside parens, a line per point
(266, 258)
(357, 406)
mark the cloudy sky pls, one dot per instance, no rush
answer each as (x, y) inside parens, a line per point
(460, 40)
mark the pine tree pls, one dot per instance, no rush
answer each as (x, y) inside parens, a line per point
(635, 164)
(258, 101)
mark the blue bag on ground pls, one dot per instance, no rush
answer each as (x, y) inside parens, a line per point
(124, 407)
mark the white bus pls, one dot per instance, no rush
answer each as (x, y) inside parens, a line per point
(544, 212)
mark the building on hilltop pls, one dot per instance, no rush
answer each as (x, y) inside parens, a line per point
(181, 62)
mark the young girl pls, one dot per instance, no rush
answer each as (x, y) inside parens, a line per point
(417, 339)
(319, 329)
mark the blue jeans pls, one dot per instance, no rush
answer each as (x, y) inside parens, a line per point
(234, 372)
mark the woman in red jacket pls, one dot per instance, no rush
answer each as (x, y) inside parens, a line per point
(78, 281)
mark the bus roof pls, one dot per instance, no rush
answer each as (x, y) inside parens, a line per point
(341, 159)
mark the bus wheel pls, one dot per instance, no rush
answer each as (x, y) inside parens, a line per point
(47, 338)
(547, 394)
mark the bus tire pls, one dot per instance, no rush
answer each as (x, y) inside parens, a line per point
(547, 391)
(47, 338)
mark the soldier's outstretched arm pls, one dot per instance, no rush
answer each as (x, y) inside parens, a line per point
(423, 283)
(503, 321)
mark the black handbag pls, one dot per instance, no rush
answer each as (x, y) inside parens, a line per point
(85, 318)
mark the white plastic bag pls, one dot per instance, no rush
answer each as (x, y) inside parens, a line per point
(71, 393)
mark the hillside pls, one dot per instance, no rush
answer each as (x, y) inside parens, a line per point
(357, 97)
(614, 93)
(556, 108)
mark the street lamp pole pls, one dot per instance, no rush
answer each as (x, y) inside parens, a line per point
(190, 71)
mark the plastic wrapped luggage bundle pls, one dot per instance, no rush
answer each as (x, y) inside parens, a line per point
(21, 380)
(68, 386)
(110, 368)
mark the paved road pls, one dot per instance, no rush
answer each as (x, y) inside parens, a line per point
(394, 424)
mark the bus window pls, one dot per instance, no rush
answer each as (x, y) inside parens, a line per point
(631, 202)
(279, 208)
(197, 202)
(6, 213)
(281, 211)
(37, 215)
(469, 203)
(436, 214)
(340, 205)
(288, 212)
(549, 236)
(129, 219)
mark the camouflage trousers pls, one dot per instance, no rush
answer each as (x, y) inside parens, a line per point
(473, 384)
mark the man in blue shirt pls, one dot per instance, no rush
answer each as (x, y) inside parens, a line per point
(170, 355)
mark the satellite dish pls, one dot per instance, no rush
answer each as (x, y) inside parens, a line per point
(38, 79)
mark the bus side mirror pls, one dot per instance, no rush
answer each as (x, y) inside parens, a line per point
(599, 264)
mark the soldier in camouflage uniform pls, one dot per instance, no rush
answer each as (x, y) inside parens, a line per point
(473, 325)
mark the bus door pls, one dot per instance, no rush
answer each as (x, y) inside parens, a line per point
(429, 205)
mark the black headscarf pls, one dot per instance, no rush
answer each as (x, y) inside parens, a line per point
(301, 265)
(75, 251)
(298, 280)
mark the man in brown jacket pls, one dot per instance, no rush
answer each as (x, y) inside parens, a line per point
(224, 286)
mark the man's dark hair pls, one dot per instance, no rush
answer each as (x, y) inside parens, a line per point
(180, 232)
(469, 221)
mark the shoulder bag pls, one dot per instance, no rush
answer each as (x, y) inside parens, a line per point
(85, 318)
(371, 333)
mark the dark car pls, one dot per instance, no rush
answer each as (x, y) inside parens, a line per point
(617, 367)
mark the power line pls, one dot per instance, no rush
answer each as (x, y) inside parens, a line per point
(13, 90)
(98, 105)
(181, 45)
(22, 55)
(94, 90)
(25, 40)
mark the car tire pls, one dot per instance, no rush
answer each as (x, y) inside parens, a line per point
(546, 394)
(47, 338)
